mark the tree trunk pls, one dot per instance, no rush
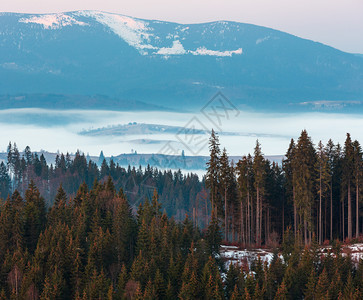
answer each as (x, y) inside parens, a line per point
(232, 212)
(357, 209)
(295, 211)
(349, 213)
(305, 231)
(242, 229)
(257, 217)
(251, 223)
(260, 223)
(225, 215)
(320, 224)
(206, 212)
(248, 239)
(331, 210)
(343, 219)
(267, 233)
(283, 218)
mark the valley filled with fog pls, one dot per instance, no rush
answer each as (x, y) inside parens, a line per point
(70, 130)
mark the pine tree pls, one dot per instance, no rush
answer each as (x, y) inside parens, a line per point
(281, 293)
(310, 287)
(358, 156)
(5, 183)
(150, 293)
(336, 286)
(123, 231)
(231, 280)
(212, 176)
(348, 167)
(304, 162)
(331, 155)
(35, 216)
(121, 283)
(235, 294)
(159, 285)
(322, 286)
(349, 288)
(288, 165)
(58, 210)
(259, 182)
(226, 176)
(322, 182)
(213, 235)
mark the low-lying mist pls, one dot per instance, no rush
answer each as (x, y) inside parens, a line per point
(58, 130)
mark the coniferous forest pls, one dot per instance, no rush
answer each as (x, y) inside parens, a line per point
(76, 231)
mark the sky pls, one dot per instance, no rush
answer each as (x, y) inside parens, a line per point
(333, 22)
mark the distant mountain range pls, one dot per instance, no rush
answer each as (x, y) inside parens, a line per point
(152, 64)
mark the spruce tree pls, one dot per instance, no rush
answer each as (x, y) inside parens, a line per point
(281, 293)
(213, 235)
(226, 176)
(348, 177)
(212, 179)
(358, 168)
(305, 160)
(322, 184)
(259, 183)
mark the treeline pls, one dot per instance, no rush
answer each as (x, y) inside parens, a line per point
(317, 190)
(91, 246)
(177, 192)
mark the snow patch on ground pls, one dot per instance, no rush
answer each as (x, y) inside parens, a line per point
(243, 257)
(53, 21)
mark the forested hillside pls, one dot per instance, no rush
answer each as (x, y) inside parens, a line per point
(76, 231)
(317, 189)
(93, 247)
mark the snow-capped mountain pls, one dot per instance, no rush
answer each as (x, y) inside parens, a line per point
(170, 64)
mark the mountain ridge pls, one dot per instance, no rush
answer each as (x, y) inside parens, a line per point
(166, 64)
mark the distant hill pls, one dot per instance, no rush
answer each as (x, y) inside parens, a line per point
(164, 64)
(58, 101)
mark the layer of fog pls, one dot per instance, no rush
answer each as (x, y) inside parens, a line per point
(59, 130)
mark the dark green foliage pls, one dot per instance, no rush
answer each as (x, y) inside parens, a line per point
(34, 216)
(86, 241)
(214, 235)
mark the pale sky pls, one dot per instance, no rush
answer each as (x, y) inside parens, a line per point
(338, 23)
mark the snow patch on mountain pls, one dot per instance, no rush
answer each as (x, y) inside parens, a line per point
(53, 21)
(132, 31)
(205, 51)
(259, 41)
(176, 49)
(137, 33)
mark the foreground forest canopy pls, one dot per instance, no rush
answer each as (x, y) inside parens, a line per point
(93, 247)
(317, 190)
